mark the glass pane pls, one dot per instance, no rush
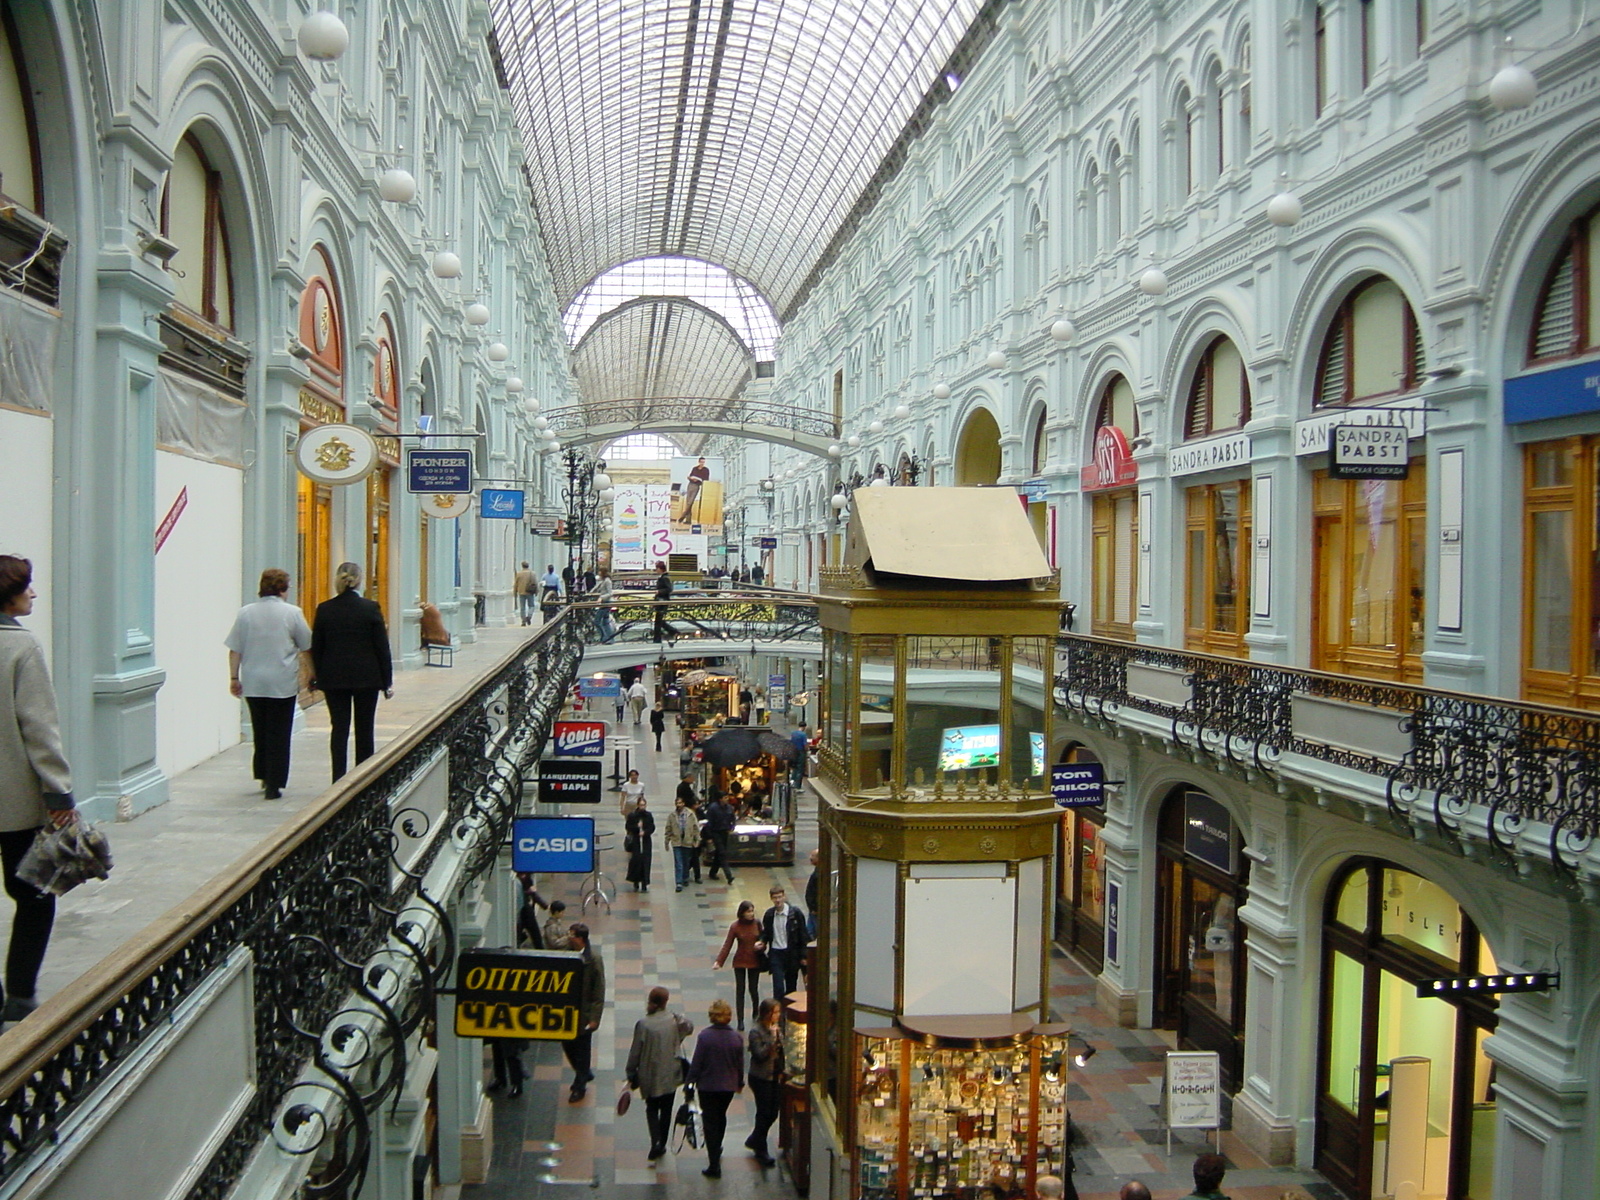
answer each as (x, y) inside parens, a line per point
(1422, 914)
(186, 225)
(1029, 738)
(875, 720)
(1378, 326)
(1123, 566)
(1212, 937)
(1550, 638)
(1330, 578)
(878, 1116)
(1416, 551)
(952, 690)
(1352, 907)
(1227, 387)
(1480, 1162)
(1091, 872)
(838, 691)
(1344, 1031)
(1197, 579)
(1227, 560)
(1374, 562)
(1550, 465)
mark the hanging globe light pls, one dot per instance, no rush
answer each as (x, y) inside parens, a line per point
(875, 427)
(476, 314)
(531, 406)
(853, 441)
(607, 495)
(902, 411)
(323, 37)
(941, 391)
(555, 445)
(878, 481)
(1513, 87)
(995, 360)
(838, 502)
(835, 450)
(1284, 209)
(447, 264)
(541, 423)
(498, 352)
(602, 480)
(397, 186)
(1153, 282)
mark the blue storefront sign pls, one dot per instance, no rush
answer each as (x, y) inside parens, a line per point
(501, 503)
(600, 687)
(553, 845)
(441, 472)
(766, 543)
(1207, 831)
(1563, 392)
(1078, 785)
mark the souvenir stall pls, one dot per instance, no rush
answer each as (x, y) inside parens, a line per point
(707, 697)
(749, 766)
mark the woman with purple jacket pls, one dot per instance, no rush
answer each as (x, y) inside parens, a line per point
(717, 1073)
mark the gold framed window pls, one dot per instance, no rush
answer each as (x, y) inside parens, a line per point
(1116, 538)
(1561, 572)
(1217, 552)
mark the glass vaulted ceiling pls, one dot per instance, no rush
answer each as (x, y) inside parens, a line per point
(735, 300)
(737, 132)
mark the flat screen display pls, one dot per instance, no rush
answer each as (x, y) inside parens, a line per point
(968, 747)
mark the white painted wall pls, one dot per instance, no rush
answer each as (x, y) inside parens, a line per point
(28, 440)
(959, 946)
(196, 599)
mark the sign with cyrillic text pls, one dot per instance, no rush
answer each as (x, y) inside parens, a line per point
(1368, 452)
(448, 471)
(530, 994)
(1078, 785)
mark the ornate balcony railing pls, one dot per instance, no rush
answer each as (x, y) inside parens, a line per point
(346, 942)
(773, 617)
(1514, 774)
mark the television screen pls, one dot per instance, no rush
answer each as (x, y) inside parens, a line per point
(1036, 744)
(967, 747)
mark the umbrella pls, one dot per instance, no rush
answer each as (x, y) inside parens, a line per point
(730, 747)
(692, 677)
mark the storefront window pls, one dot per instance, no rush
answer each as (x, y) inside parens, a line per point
(953, 697)
(1561, 581)
(1218, 567)
(839, 691)
(1091, 872)
(1567, 320)
(1370, 559)
(1116, 530)
(1031, 659)
(1373, 348)
(875, 711)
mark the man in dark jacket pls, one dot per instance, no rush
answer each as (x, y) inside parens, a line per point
(591, 1007)
(663, 593)
(720, 819)
(783, 937)
(350, 661)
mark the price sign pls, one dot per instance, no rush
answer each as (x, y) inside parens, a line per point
(1194, 1090)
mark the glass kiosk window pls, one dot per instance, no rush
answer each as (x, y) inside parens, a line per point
(953, 697)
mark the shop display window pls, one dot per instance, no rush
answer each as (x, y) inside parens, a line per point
(1218, 566)
(1031, 661)
(837, 696)
(1115, 563)
(1091, 872)
(874, 741)
(1561, 589)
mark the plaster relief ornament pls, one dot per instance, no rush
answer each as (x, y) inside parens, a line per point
(930, 845)
(336, 454)
(875, 842)
(987, 845)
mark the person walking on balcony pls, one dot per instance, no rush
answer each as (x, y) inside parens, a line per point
(526, 588)
(662, 595)
(350, 664)
(591, 998)
(35, 781)
(654, 1069)
(268, 646)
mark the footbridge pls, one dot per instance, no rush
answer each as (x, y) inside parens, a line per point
(624, 633)
(801, 429)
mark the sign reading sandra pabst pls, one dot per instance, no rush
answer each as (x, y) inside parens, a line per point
(530, 994)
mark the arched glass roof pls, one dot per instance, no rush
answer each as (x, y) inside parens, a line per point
(735, 300)
(741, 133)
(640, 447)
(660, 350)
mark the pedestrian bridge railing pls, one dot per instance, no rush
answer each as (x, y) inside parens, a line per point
(753, 618)
(268, 1034)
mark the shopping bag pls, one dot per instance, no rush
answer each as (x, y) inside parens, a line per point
(60, 859)
(624, 1101)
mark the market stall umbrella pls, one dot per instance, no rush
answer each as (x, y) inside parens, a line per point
(730, 747)
(693, 677)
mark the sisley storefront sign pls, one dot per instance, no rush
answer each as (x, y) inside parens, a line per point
(1213, 454)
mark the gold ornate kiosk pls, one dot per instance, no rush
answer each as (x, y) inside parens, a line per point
(932, 1073)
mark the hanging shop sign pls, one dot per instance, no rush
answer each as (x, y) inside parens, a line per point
(336, 454)
(1112, 465)
(1368, 452)
(792, 539)
(445, 471)
(530, 994)
(1563, 392)
(444, 505)
(1078, 785)
(569, 781)
(1208, 832)
(1033, 491)
(1212, 454)
(777, 692)
(767, 543)
(545, 526)
(1487, 985)
(503, 504)
(553, 845)
(580, 739)
(1311, 435)
(600, 687)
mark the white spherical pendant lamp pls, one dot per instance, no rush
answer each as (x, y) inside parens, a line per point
(1063, 331)
(1153, 282)
(875, 427)
(498, 352)
(476, 314)
(941, 391)
(995, 360)
(447, 264)
(902, 411)
(1284, 209)
(397, 186)
(1513, 87)
(513, 384)
(323, 37)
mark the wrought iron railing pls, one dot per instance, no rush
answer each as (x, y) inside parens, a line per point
(321, 907)
(777, 617)
(693, 410)
(1475, 766)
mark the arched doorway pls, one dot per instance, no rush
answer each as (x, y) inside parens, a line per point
(978, 451)
(1405, 1096)
(1201, 882)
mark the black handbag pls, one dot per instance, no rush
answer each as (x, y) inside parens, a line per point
(630, 845)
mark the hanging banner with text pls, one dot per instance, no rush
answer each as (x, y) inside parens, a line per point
(530, 994)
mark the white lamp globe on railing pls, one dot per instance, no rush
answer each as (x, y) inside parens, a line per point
(876, 427)
(902, 411)
(447, 264)
(1063, 331)
(541, 423)
(476, 313)
(1153, 282)
(941, 391)
(397, 186)
(323, 37)
(838, 502)
(995, 360)
(513, 384)
(555, 446)
(498, 352)
(602, 480)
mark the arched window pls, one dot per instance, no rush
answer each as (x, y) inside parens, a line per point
(1116, 407)
(1213, 124)
(1110, 476)
(1373, 348)
(1242, 145)
(1184, 146)
(1115, 167)
(1041, 443)
(1219, 396)
(191, 218)
(1090, 208)
(1567, 316)
(19, 142)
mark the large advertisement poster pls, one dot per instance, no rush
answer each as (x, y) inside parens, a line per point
(642, 533)
(697, 495)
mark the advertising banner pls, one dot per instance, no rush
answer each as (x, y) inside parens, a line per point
(569, 781)
(697, 495)
(628, 528)
(501, 503)
(553, 845)
(600, 687)
(580, 739)
(530, 994)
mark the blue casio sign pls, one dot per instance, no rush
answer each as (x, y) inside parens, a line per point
(553, 845)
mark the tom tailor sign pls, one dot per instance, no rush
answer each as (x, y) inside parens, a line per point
(530, 994)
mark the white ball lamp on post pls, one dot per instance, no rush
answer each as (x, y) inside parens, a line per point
(1154, 281)
(902, 411)
(447, 264)
(323, 37)
(397, 186)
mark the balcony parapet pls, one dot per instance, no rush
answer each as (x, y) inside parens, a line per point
(1520, 778)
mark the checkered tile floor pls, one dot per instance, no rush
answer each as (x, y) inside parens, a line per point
(669, 938)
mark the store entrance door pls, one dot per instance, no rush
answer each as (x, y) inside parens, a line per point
(1201, 882)
(315, 545)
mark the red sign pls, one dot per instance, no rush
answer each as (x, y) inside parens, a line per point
(581, 739)
(164, 529)
(1112, 465)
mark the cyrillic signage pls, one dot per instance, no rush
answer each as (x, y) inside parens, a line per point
(1078, 785)
(447, 471)
(553, 845)
(531, 994)
(546, 526)
(569, 781)
(1368, 452)
(1212, 454)
(581, 739)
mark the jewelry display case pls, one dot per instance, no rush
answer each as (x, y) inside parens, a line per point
(794, 1114)
(958, 1106)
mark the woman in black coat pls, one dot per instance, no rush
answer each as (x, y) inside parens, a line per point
(658, 722)
(641, 829)
(350, 661)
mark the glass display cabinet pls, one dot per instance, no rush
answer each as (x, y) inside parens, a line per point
(958, 1107)
(794, 1113)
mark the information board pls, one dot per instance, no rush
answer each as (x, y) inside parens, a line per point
(1193, 1090)
(1078, 785)
(530, 994)
(446, 471)
(569, 781)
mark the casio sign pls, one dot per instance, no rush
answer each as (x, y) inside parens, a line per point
(553, 845)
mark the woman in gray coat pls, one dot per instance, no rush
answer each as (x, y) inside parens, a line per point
(35, 781)
(654, 1068)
